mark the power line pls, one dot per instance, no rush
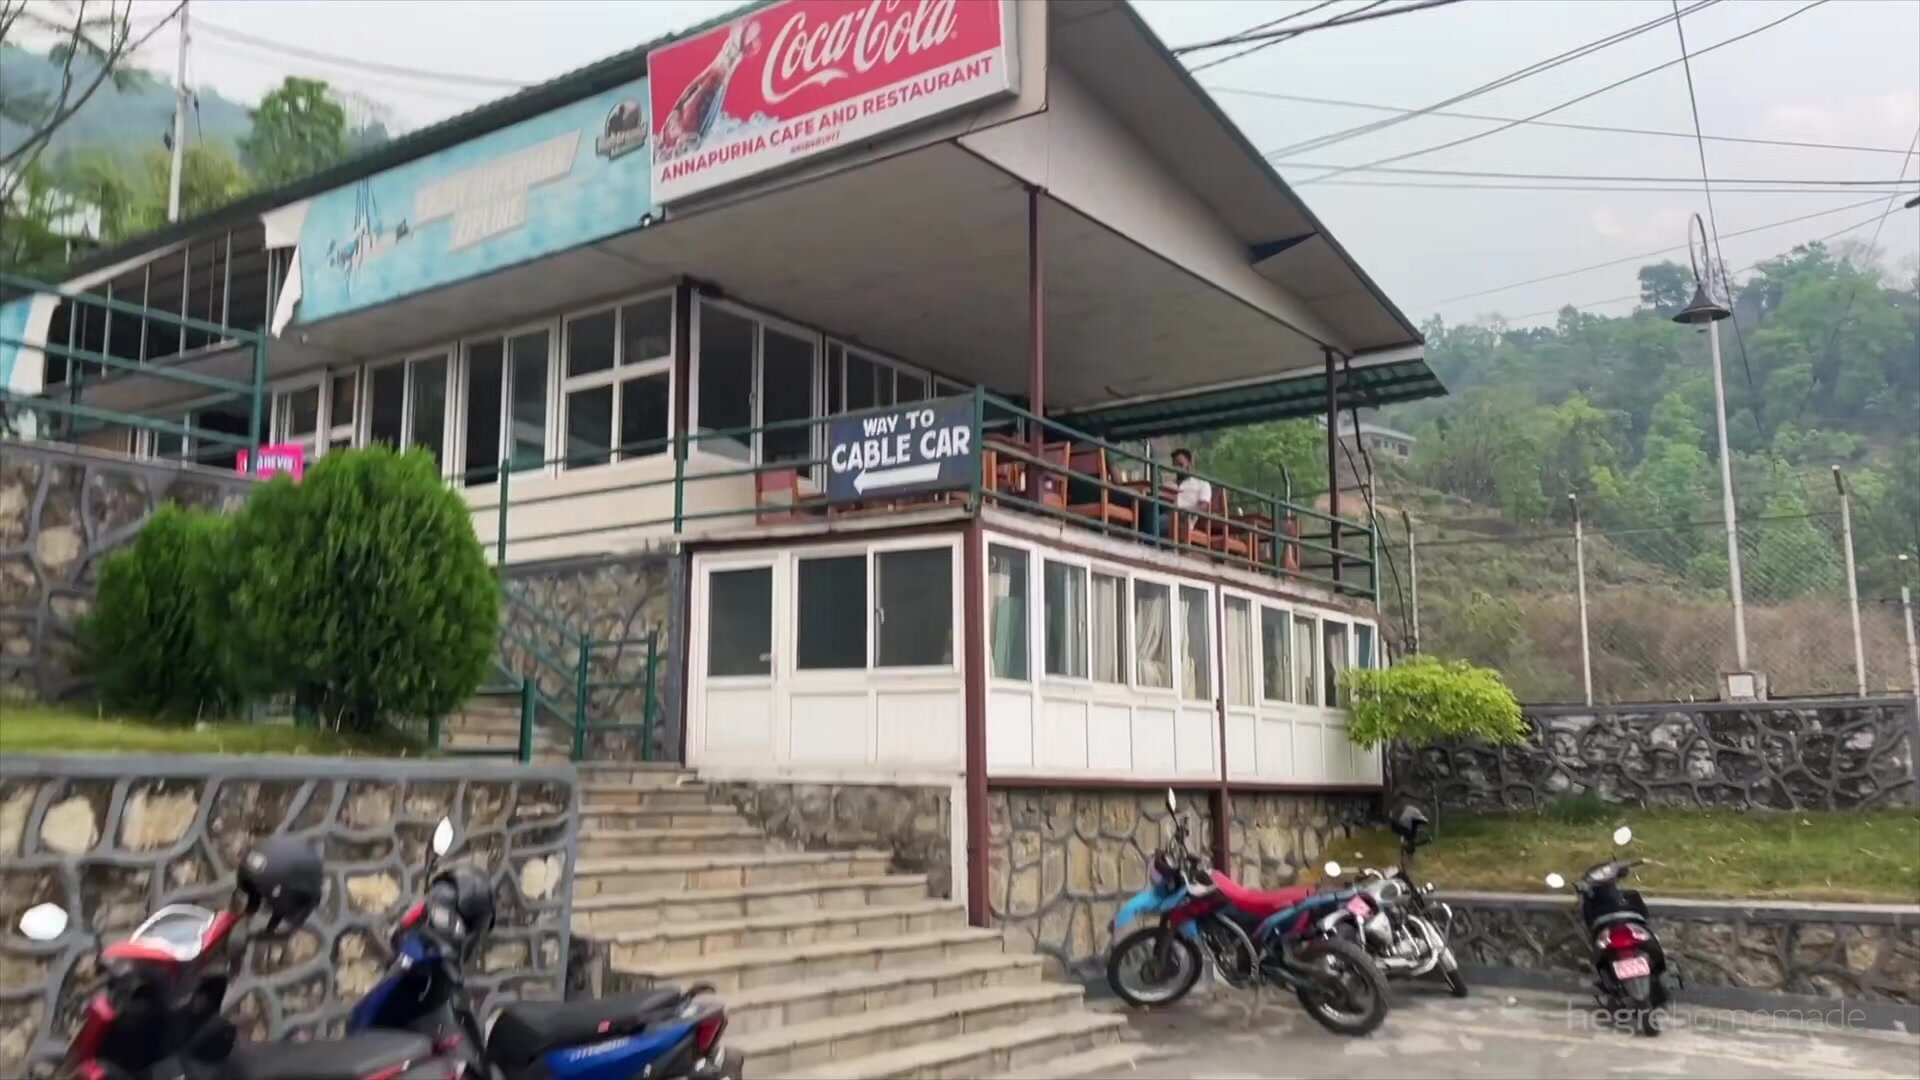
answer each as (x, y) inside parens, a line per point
(1591, 179)
(1688, 189)
(1616, 84)
(1650, 254)
(1265, 25)
(1365, 14)
(353, 62)
(464, 97)
(1535, 68)
(1340, 103)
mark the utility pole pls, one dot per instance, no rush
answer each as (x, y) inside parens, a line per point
(1853, 582)
(1580, 577)
(1906, 615)
(179, 121)
(1413, 580)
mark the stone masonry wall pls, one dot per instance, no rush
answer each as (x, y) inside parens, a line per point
(915, 823)
(1858, 953)
(113, 838)
(619, 599)
(1785, 755)
(62, 510)
(1276, 836)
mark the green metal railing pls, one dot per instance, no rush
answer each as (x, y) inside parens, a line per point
(253, 389)
(579, 719)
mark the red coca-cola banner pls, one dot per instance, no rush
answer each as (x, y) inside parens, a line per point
(807, 77)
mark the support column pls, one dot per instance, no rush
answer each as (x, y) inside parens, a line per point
(1333, 461)
(1036, 345)
(973, 624)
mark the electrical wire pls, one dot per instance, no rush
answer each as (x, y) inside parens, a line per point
(1306, 99)
(353, 62)
(469, 98)
(1536, 68)
(1265, 44)
(1365, 14)
(1775, 182)
(1616, 84)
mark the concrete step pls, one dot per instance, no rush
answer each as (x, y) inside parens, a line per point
(636, 911)
(597, 797)
(695, 873)
(979, 1053)
(749, 968)
(846, 995)
(838, 1039)
(507, 740)
(596, 843)
(632, 950)
(692, 817)
(628, 774)
(1112, 1060)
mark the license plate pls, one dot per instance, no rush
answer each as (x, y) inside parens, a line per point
(1358, 907)
(1632, 967)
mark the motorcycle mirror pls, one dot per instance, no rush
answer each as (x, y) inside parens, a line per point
(43, 922)
(1332, 869)
(443, 837)
(1173, 807)
(1555, 881)
(1622, 836)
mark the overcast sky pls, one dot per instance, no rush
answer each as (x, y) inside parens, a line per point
(1846, 71)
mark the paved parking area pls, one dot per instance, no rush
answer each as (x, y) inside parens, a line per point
(1495, 1033)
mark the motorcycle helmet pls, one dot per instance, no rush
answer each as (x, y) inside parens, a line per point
(460, 907)
(285, 876)
(1409, 821)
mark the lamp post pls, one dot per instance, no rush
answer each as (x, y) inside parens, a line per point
(1704, 310)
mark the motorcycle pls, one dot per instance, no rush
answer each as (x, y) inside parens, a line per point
(1289, 938)
(662, 1033)
(1407, 932)
(158, 1016)
(1630, 967)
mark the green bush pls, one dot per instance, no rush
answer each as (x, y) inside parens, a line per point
(153, 643)
(363, 590)
(1422, 701)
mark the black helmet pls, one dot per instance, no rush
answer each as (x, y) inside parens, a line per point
(1409, 821)
(286, 877)
(460, 906)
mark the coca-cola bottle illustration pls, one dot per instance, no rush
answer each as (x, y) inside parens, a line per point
(692, 116)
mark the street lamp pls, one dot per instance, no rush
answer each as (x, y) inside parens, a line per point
(1703, 309)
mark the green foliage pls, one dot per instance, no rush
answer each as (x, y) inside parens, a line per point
(364, 589)
(298, 130)
(1422, 700)
(1586, 808)
(1262, 457)
(154, 642)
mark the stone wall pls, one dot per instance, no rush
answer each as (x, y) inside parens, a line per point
(913, 822)
(1833, 754)
(617, 599)
(62, 510)
(1735, 954)
(111, 839)
(1275, 836)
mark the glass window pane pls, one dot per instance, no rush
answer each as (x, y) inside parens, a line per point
(833, 613)
(589, 427)
(740, 622)
(228, 420)
(1066, 620)
(430, 407)
(1275, 652)
(1363, 647)
(1109, 629)
(943, 388)
(529, 412)
(1196, 669)
(916, 607)
(1306, 670)
(386, 405)
(1335, 634)
(1239, 651)
(484, 361)
(1153, 651)
(590, 343)
(340, 402)
(786, 394)
(909, 388)
(645, 404)
(860, 383)
(726, 380)
(299, 414)
(646, 330)
(836, 380)
(1007, 586)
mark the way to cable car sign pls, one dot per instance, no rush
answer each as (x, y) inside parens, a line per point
(926, 446)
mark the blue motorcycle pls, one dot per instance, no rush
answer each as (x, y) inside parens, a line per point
(657, 1035)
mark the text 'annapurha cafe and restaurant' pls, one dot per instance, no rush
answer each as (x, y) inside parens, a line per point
(859, 330)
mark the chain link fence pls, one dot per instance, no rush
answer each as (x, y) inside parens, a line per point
(1641, 614)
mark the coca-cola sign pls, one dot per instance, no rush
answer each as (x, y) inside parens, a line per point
(807, 77)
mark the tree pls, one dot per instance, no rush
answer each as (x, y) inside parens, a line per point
(1665, 287)
(298, 130)
(1421, 701)
(32, 241)
(1263, 457)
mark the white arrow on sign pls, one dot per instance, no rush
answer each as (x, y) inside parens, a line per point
(896, 477)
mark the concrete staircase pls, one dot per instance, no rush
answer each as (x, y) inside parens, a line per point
(831, 967)
(493, 723)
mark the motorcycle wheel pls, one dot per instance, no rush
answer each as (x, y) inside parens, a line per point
(1450, 970)
(1355, 1000)
(1162, 987)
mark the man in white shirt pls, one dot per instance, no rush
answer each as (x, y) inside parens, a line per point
(1193, 493)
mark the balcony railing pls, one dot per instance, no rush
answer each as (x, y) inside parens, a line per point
(1020, 461)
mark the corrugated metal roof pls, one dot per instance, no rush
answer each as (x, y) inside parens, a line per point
(1278, 399)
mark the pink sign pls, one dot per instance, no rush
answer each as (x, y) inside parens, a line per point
(276, 459)
(807, 77)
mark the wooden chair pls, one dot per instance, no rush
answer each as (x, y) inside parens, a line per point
(1092, 461)
(1290, 551)
(784, 483)
(1053, 477)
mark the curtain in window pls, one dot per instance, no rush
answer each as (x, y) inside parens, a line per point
(1196, 674)
(1066, 611)
(1007, 586)
(1239, 647)
(1153, 616)
(1109, 629)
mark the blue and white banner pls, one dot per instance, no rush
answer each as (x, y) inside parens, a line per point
(547, 184)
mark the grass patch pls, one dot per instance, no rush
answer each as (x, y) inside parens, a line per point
(33, 728)
(1861, 855)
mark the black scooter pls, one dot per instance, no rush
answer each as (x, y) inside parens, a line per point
(1630, 967)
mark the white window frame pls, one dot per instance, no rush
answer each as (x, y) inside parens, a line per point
(1033, 601)
(1128, 661)
(1285, 611)
(1211, 660)
(756, 392)
(780, 652)
(622, 371)
(1330, 693)
(871, 551)
(1085, 571)
(1171, 691)
(1252, 658)
(458, 387)
(450, 439)
(1312, 616)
